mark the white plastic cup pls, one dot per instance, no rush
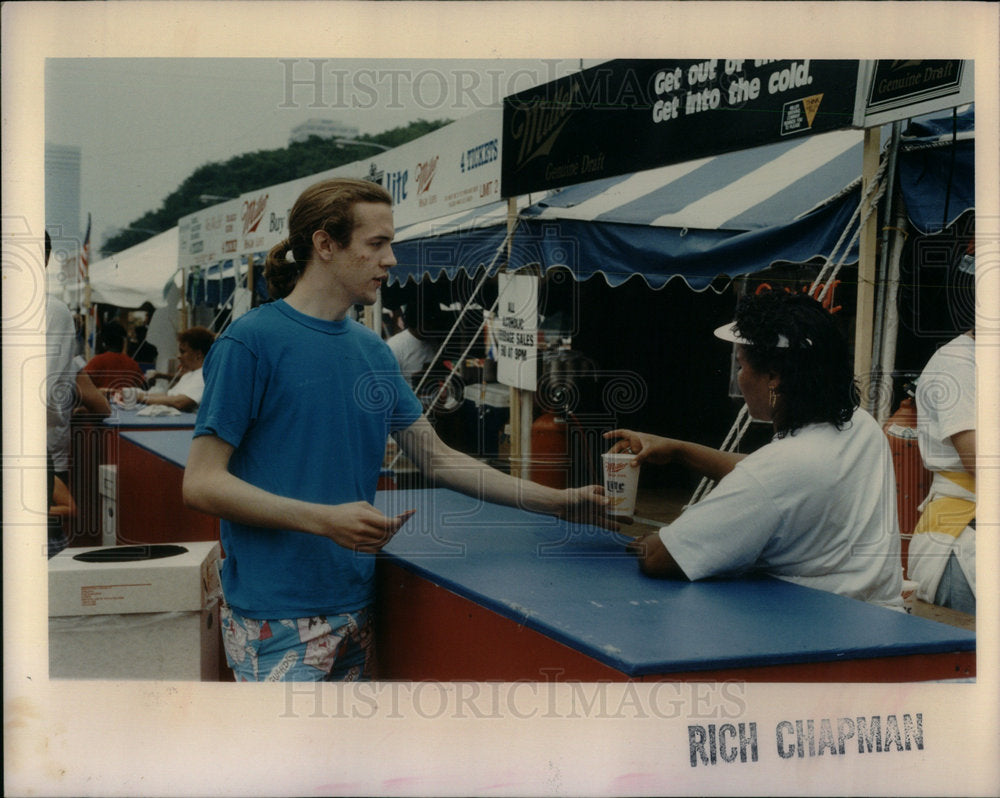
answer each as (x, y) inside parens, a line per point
(621, 482)
(909, 594)
(128, 398)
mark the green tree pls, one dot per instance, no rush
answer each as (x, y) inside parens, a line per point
(256, 170)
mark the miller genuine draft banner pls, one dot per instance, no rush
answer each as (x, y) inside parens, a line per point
(901, 88)
(632, 114)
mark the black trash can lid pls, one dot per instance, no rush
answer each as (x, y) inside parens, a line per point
(152, 551)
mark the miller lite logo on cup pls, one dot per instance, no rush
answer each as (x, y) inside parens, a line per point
(621, 481)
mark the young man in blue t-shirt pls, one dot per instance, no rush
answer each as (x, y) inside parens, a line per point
(299, 401)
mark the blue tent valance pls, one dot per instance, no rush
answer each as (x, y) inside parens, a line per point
(732, 214)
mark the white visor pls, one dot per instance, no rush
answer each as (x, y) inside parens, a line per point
(727, 332)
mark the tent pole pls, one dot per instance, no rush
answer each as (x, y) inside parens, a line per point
(882, 380)
(88, 326)
(892, 284)
(521, 401)
(184, 304)
(866, 273)
(250, 279)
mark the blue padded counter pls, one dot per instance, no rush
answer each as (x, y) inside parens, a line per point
(577, 586)
(172, 445)
(130, 419)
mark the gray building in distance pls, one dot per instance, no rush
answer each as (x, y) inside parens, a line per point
(324, 128)
(62, 194)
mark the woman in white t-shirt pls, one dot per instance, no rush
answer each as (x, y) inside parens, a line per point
(942, 556)
(817, 505)
(186, 392)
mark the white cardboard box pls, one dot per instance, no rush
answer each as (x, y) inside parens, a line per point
(142, 619)
(166, 584)
(107, 476)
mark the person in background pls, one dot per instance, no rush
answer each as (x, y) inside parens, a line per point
(67, 389)
(942, 554)
(188, 385)
(112, 369)
(817, 505)
(413, 351)
(299, 403)
(62, 504)
(141, 350)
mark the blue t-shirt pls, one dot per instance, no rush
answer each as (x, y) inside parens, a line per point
(308, 405)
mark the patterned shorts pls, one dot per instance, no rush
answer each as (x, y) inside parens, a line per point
(330, 648)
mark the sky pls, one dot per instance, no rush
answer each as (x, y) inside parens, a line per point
(144, 124)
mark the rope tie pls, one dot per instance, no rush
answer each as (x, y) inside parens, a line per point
(447, 381)
(475, 293)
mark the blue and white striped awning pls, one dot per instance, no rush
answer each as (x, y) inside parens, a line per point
(747, 190)
(731, 214)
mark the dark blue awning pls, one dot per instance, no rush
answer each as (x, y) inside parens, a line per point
(937, 157)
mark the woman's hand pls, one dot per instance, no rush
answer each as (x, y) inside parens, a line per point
(360, 527)
(646, 448)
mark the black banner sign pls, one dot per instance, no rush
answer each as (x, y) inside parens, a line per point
(897, 83)
(627, 115)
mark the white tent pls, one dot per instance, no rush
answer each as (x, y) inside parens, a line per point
(138, 274)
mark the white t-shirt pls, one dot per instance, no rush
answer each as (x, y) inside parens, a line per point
(191, 384)
(817, 508)
(411, 353)
(946, 403)
(60, 388)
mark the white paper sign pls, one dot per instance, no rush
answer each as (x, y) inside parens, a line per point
(516, 331)
(209, 236)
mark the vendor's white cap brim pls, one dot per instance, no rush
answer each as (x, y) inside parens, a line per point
(727, 332)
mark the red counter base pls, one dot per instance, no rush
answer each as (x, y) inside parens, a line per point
(428, 633)
(150, 506)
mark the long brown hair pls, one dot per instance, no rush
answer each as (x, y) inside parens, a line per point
(327, 205)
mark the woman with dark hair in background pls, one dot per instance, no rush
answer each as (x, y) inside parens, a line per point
(817, 505)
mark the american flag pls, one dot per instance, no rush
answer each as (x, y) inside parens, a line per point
(84, 259)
